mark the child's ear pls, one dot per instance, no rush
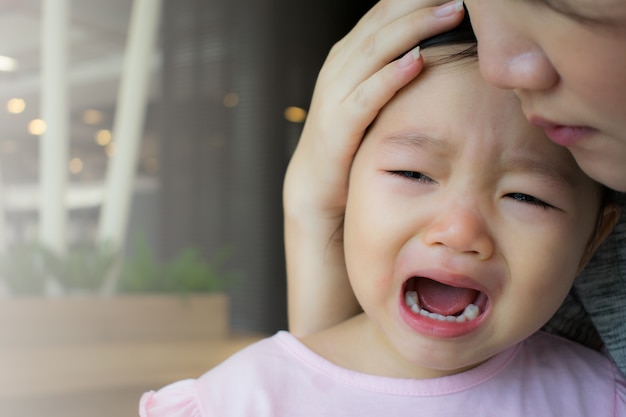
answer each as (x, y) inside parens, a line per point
(607, 221)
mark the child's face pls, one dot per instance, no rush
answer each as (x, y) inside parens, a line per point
(452, 187)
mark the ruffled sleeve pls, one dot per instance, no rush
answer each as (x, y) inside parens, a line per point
(175, 400)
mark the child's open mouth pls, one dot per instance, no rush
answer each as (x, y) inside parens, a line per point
(442, 302)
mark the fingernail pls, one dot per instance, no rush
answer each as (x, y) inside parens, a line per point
(449, 8)
(409, 58)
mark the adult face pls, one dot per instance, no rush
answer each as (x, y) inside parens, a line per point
(566, 61)
(455, 199)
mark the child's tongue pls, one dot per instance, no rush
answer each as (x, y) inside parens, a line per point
(443, 299)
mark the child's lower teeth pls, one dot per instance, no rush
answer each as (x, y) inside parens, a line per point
(470, 313)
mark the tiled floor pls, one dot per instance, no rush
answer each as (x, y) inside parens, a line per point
(96, 377)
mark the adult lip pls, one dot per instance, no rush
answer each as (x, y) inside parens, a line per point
(563, 135)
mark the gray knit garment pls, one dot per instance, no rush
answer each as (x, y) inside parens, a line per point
(594, 313)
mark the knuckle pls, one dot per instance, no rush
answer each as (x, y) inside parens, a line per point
(369, 45)
(359, 98)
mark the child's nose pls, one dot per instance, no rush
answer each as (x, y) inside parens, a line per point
(462, 229)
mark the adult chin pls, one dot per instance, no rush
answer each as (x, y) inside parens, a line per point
(605, 166)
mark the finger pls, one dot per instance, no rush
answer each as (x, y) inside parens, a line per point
(395, 39)
(364, 104)
(383, 13)
(375, 51)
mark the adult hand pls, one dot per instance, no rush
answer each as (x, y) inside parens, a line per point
(359, 76)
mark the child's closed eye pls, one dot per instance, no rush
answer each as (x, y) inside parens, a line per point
(414, 176)
(529, 199)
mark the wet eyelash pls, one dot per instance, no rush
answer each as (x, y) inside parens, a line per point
(413, 175)
(529, 199)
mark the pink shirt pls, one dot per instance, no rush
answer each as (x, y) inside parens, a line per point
(279, 376)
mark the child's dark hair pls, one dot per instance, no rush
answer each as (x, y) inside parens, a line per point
(463, 34)
(609, 196)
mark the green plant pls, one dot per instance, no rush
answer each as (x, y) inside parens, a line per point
(187, 273)
(141, 271)
(26, 267)
(23, 269)
(84, 267)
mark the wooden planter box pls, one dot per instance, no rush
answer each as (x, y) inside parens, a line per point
(37, 321)
(87, 356)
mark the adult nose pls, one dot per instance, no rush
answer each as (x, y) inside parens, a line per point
(509, 57)
(461, 229)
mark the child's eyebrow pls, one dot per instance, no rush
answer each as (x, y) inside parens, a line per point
(420, 141)
(548, 171)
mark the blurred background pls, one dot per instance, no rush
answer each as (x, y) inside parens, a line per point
(142, 151)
